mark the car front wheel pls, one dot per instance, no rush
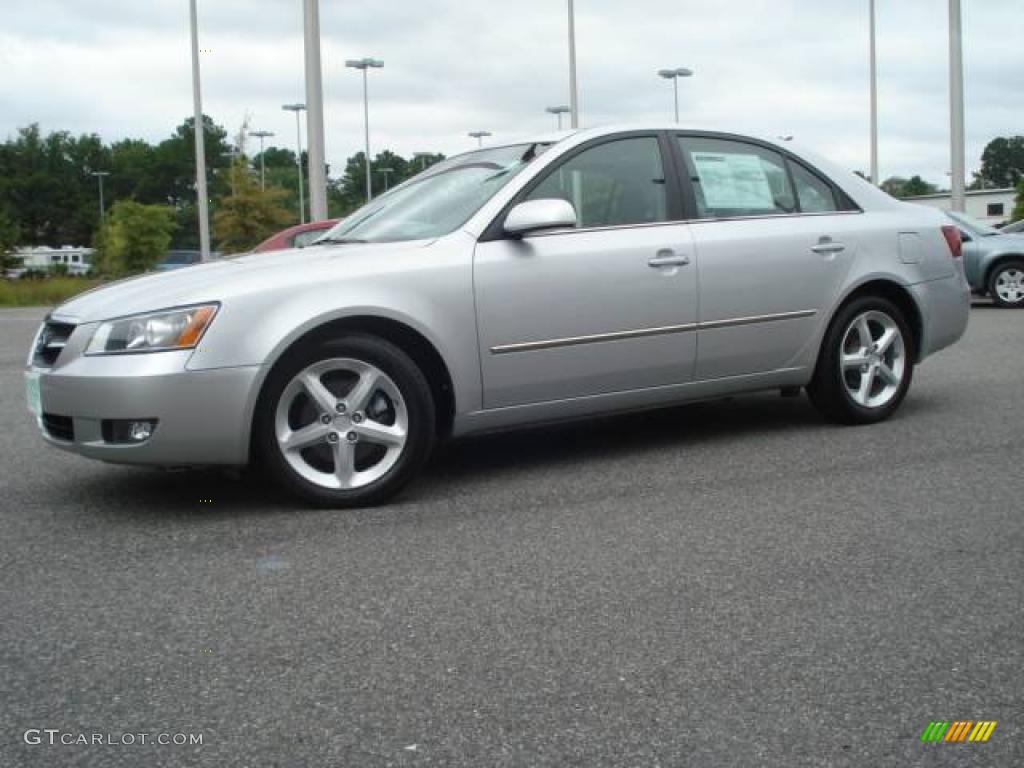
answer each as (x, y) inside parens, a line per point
(866, 363)
(345, 422)
(1006, 285)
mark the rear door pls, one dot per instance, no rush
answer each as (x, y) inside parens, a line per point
(774, 241)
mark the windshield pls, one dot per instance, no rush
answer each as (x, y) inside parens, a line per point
(973, 225)
(437, 201)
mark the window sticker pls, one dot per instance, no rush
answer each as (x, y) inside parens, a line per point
(733, 181)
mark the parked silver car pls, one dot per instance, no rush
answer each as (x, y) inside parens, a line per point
(993, 261)
(612, 269)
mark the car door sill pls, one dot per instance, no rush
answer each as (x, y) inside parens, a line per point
(510, 416)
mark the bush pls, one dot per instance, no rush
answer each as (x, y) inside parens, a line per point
(134, 237)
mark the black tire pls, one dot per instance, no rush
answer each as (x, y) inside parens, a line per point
(414, 390)
(828, 390)
(1004, 267)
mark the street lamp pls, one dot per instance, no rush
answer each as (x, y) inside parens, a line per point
(479, 136)
(574, 100)
(202, 197)
(297, 108)
(366, 64)
(674, 75)
(99, 177)
(261, 135)
(423, 157)
(874, 97)
(314, 112)
(385, 172)
(956, 107)
(559, 111)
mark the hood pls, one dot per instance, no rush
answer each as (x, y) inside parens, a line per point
(223, 279)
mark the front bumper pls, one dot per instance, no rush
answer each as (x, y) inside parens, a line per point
(203, 416)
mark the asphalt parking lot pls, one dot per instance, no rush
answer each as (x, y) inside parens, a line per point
(730, 583)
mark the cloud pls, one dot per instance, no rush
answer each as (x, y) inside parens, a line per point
(122, 68)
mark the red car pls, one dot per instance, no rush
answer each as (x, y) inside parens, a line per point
(295, 237)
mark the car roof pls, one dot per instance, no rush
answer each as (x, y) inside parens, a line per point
(553, 137)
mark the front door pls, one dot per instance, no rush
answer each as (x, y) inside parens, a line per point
(606, 307)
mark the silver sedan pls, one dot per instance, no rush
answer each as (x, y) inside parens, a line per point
(605, 270)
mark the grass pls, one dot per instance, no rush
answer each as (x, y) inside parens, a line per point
(44, 292)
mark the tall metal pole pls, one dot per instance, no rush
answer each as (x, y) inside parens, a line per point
(261, 135)
(674, 75)
(874, 100)
(99, 177)
(574, 105)
(366, 131)
(315, 113)
(297, 108)
(956, 107)
(202, 197)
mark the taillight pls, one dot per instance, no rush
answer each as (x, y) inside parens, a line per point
(956, 245)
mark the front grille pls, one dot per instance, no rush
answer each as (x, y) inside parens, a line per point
(52, 340)
(59, 427)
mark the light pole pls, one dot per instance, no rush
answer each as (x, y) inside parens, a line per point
(99, 177)
(423, 157)
(297, 108)
(315, 116)
(202, 197)
(385, 172)
(479, 136)
(674, 75)
(365, 64)
(261, 135)
(874, 99)
(559, 111)
(574, 99)
(956, 106)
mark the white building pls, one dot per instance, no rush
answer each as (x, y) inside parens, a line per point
(993, 206)
(45, 258)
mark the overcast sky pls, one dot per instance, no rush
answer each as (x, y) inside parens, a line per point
(121, 68)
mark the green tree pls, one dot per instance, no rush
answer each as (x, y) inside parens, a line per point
(134, 237)
(915, 186)
(46, 185)
(10, 234)
(1002, 162)
(249, 214)
(1018, 208)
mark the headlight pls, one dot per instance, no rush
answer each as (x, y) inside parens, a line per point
(153, 332)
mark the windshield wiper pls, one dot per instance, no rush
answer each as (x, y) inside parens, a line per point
(339, 240)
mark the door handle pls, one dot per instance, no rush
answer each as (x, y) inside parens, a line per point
(826, 245)
(669, 259)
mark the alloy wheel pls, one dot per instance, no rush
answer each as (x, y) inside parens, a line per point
(873, 359)
(341, 423)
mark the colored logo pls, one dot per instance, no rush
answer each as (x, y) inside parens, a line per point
(958, 730)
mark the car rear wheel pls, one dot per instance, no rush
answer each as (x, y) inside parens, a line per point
(346, 422)
(1006, 284)
(866, 363)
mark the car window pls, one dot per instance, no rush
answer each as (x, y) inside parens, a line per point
(733, 178)
(617, 183)
(813, 193)
(302, 239)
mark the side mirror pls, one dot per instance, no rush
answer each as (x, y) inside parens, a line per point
(534, 215)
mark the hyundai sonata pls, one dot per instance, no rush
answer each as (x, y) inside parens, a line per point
(604, 270)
